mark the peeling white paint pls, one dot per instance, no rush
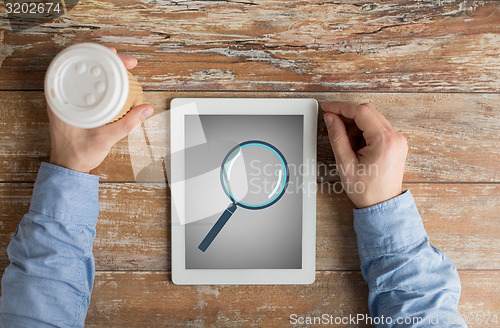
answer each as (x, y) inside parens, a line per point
(250, 55)
(212, 74)
(5, 49)
(208, 290)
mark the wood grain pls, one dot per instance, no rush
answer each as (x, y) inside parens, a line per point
(452, 137)
(133, 231)
(431, 67)
(138, 299)
(275, 45)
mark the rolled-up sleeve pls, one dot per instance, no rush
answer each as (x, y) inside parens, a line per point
(49, 280)
(410, 281)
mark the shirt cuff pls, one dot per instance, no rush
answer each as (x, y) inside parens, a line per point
(389, 227)
(66, 195)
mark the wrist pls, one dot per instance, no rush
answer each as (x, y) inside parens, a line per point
(389, 227)
(77, 195)
(68, 165)
(377, 199)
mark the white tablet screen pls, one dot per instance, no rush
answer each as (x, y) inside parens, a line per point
(254, 237)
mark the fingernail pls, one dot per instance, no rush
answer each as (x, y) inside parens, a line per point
(147, 112)
(328, 120)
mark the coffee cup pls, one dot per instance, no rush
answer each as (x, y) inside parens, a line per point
(87, 85)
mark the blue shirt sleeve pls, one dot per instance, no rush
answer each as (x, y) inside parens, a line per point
(49, 280)
(411, 283)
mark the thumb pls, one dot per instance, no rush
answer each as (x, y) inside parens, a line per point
(121, 128)
(344, 155)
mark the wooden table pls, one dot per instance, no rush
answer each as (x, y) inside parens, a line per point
(431, 67)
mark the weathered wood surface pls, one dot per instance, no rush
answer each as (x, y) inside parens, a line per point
(138, 299)
(434, 47)
(452, 137)
(275, 45)
(133, 231)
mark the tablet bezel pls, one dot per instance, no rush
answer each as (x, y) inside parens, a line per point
(306, 107)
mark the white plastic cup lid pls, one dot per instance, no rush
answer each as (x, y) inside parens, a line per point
(86, 85)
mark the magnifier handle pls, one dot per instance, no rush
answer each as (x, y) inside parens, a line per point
(209, 238)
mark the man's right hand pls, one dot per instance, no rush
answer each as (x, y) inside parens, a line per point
(370, 153)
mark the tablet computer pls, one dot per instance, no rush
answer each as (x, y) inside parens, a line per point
(243, 190)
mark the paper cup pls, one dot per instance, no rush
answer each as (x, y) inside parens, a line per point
(87, 86)
(135, 97)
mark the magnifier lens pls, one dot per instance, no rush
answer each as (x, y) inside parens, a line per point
(235, 175)
(254, 175)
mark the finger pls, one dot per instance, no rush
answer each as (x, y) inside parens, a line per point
(380, 117)
(129, 62)
(344, 155)
(362, 115)
(118, 130)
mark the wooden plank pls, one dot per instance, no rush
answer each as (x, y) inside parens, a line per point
(138, 299)
(149, 298)
(275, 45)
(133, 232)
(452, 137)
(460, 220)
(479, 298)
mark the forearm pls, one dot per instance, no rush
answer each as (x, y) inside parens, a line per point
(406, 276)
(50, 278)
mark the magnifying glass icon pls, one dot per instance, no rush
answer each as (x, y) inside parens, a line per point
(250, 191)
